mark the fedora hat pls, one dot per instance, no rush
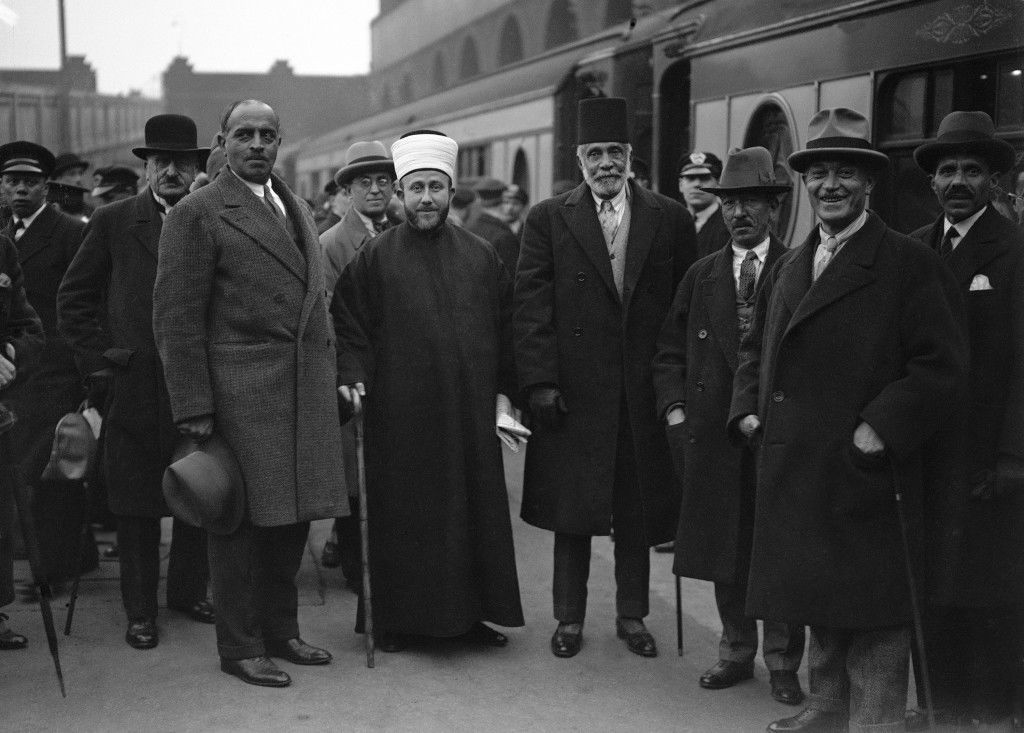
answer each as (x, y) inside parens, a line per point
(74, 449)
(966, 132)
(364, 157)
(838, 133)
(204, 485)
(749, 169)
(170, 133)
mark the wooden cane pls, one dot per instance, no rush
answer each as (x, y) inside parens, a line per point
(364, 541)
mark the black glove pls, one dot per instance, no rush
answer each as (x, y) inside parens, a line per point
(97, 386)
(547, 407)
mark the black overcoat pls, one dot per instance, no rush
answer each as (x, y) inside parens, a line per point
(989, 563)
(695, 366)
(713, 235)
(501, 237)
(572, 330)
(876, 338)
(105, 311)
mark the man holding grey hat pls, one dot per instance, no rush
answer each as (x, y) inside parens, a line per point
(597, 271)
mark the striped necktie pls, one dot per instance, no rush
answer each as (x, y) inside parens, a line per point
(824, 255)
(748, 275)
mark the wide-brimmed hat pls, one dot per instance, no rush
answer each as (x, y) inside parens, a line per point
(602, 120)
(115, 176)
(67, 161)
(966, 132)
(170, 133)
(204, 485)
(22, 156)
(749, 169)
(363, 157)
(838, 133)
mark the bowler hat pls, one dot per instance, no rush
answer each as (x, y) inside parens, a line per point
(170, 133)
(750, 169)
(602, 120)
(966, 132)
(838, 133)
(22, 156)
(364, 157)
(74, 449)
(700, 164)
(113, 177)
(67, 161)
(204, 485)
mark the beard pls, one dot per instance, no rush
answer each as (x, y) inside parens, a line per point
(426, 221)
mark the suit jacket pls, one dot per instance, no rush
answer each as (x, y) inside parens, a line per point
(875, 339)
(340, 244)
(500, 236)
(105, 311)
(989, 570)
(695, 365)
(242, 328)
(713, 235)
(573, 331)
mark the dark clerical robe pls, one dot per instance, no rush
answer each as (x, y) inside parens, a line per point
(424, 321)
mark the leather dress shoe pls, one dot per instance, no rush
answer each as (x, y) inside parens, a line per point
(390, 642)
(201, 611)
(726, 674)
(786, 687)
(8, 639)
(142, 634)
(256, 671)
(296, 651)
(484, 635)
(331, 556)
(638, 642)
(811, 721)
(566, 644)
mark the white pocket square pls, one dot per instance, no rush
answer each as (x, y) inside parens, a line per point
(980, 282)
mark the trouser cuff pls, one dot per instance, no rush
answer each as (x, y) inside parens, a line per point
(241, 651)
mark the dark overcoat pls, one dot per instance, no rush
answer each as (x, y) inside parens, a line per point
(713, 235)
(877, 339)
(19, 326)
(105, 311)
(500, 235)
(241, 324)
(695, 365)
(573, 331)
(989, 565)
(424, 321)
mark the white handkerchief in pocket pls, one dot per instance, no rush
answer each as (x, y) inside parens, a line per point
(980, 282)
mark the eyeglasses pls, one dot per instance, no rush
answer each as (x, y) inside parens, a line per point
(367, 182)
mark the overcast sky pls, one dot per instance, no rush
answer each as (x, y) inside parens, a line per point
(130, 42)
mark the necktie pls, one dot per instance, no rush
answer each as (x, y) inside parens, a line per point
(946, 245)
(607, 216)
(748, 275)
(278, 214)
(17, 229)
(380, 226)
(824, 255)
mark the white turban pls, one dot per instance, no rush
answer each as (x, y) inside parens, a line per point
(425, 150)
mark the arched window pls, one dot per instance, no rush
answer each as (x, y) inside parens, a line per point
(440, 75)
(561, 27)
(770, 128)
(386, 102)
(469, 61)
(617, 11)
(405, 91)
(510, 49)
(521, 171)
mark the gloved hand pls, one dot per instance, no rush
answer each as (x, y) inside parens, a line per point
(547, 407)
(97, 385)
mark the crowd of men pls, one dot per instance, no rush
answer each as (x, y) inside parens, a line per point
(832, 433)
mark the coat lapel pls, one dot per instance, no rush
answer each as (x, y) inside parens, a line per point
(580, 217)
(147, 225)
(38, 236)
(645, 215)
(980, 246)
(245, 212)
(355, 230)
(719, 292)
(304, 225)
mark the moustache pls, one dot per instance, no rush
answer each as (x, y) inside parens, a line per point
(959, 190)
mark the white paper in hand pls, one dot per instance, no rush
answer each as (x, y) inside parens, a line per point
(511, 432)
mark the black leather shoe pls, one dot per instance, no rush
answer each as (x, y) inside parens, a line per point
(484, 635)
(811, 721)
(726, 674)
(201, 611)
(391, 642)
(331, 556)
(256, 671)
(786, 687)
(8, 639)
(566, 644)
(142, 634)
(638, 642)
(296, 651)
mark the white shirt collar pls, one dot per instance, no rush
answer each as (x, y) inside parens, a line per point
(257, 188)
(962, 227)
(617, 200)
(701, 217)
(367, 222)
(851, 229)
(761, 250)
(27, 221)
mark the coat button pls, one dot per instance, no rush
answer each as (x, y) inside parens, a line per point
(700, 386)
(581, 277)
(577, 331)
(778, 396)
(702, 334)
(691, 440)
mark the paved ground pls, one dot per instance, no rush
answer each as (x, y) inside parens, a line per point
(179, 687)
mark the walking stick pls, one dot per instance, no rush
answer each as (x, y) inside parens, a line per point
(914, 601)
(83, 543)
(12, 474)
(679, 618)
(364, 541)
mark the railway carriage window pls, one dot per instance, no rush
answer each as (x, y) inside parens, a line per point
(511, 48)
(440, 76)
(769, 127)
(618, 11)
(561, 27)
(469, 65)
(1010, 103)
(472, 161)
(906, 106)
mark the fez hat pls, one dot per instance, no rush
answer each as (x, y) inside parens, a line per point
(750, 169)
(364, 157)
(170, 133)
(602, 120)
(113, 177)
(21, 156)
(700, 164)
(67, 161)
(204, 485)
(489, 190)
(425, 150)
(966, 132)
(74, 450)
(838, 133)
